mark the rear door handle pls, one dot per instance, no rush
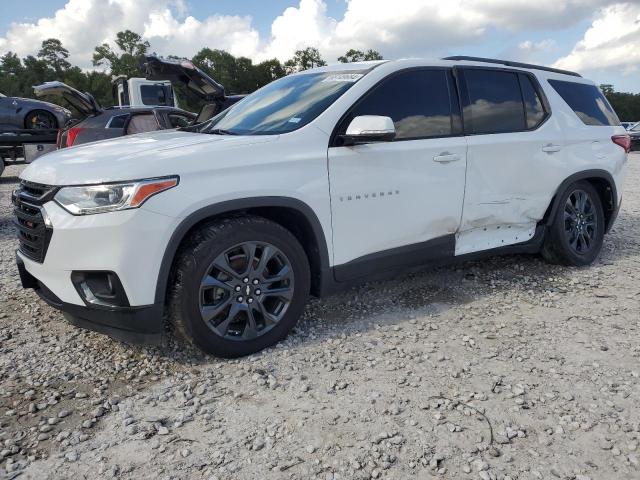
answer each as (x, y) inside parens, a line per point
(551, 148)
(446, 157)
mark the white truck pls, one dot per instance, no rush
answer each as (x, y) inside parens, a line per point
(140, 92)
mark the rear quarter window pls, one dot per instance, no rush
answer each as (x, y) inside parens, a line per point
(587, 101)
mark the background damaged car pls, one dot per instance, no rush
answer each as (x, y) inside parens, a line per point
(197, 82)
(102, 123)
(26, 114)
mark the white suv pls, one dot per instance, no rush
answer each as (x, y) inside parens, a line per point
(316, 181)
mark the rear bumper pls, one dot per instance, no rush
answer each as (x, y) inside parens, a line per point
(140, 324)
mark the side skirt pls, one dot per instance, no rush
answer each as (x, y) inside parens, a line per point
(414, 258)
(395, 258)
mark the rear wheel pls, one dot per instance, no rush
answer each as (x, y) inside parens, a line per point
(40, 120)
(577, 232)
(241, 285)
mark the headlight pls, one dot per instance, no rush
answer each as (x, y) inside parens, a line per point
(109, 197)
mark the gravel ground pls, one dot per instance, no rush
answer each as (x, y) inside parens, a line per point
(503, 369)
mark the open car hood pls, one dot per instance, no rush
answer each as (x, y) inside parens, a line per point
(182, 71)
(83, 102)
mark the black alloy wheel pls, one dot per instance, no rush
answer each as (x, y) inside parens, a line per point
(576, 232)
(241, 284)
(580, 225)
(246, 290)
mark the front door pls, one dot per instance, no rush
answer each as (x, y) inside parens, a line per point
(399, 203)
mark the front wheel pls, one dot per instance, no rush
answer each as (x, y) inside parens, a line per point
(575, 237)
(241, 285)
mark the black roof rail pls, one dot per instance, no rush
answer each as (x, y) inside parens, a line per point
(509, 63)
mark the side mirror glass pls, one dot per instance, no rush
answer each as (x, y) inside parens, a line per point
(369, 129)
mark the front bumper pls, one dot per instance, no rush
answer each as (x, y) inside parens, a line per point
(130, 243)
(140, 324)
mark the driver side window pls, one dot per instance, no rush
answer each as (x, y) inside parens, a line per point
(416, 100)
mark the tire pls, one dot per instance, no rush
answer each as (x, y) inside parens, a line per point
(211, 276)
(40, 120)
(564, 244)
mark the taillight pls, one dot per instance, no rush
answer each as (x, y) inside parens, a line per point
(624, 141)
(72, 133)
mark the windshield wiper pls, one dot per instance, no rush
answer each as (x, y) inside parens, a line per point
(221, 131)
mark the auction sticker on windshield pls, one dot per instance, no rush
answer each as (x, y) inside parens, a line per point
(343, 77)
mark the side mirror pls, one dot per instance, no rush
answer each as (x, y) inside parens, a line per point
(369, 129)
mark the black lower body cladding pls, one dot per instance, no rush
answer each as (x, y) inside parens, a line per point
(142, 325)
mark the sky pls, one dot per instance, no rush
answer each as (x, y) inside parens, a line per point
(598, 38)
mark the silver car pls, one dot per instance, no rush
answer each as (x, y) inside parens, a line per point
(25, 113)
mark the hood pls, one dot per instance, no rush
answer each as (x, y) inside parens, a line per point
(83, 102)
(145, 155)
(183, 72)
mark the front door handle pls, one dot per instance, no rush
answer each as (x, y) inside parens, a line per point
(551, 148)
(446, 157)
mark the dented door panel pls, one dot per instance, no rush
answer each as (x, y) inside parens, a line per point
(511, 179)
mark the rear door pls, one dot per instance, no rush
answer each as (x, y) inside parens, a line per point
(513, 145)
(399, 203)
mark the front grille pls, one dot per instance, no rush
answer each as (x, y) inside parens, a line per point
(33, 232)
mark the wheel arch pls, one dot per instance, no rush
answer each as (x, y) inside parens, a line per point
(294, 215)
(602, 181)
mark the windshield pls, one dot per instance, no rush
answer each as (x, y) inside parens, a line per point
(635, 127)
(282, 106)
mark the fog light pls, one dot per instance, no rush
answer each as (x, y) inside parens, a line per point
(100, 288)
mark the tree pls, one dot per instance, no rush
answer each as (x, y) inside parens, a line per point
(219, 65)
(11, 71)
(10, 64)
(54, 55)
(359, 56)
(268, 71)
(126, 61)
(304, 60)
(626, 105)
(607, 88)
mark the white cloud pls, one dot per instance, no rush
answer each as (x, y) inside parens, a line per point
(612, 42)
(519, 15)
(541, 46)
(530, 51)
(398, 29)
(82, 24)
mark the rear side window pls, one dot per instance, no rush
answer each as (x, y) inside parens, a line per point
(416, 100)
(587, 101)
(117, 121)
(495, 102)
